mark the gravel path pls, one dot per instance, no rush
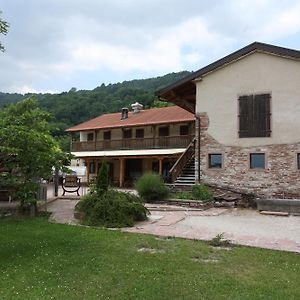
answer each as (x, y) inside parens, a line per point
(243, 227)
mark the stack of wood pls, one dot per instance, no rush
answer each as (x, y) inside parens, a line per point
(225, 197)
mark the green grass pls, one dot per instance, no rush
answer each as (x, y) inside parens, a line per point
(39, 260)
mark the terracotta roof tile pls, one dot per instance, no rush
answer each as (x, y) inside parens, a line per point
(172, 114)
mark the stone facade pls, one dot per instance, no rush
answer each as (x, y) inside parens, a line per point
(280, 178)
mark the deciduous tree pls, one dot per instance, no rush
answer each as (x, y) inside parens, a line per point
(27, 148)
(3, 30)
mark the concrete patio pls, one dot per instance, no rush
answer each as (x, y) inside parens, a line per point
(240, 226)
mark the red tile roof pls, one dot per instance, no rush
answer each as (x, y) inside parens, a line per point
(172, 114)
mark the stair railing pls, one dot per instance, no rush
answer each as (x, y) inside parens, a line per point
(182, 160)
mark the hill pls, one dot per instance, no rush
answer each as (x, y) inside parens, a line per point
(73, 107)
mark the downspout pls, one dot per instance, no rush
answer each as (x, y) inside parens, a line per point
(199, 147)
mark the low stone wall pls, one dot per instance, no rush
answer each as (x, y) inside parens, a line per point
(280, 179)
(282, 205)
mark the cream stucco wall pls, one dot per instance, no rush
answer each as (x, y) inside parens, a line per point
(218, 92)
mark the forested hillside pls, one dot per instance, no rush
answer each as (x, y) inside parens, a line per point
(73, 107)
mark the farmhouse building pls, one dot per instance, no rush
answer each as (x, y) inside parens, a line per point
(134, 142)
(247, 109)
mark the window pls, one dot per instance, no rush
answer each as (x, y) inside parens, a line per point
(184, 130)
(163, 131)
(90, 136)
(215, 161)
(107, 135)
(139, 133)
(298, 161)
(254, 116)
(92, 167)
(257, 161)
(127, 134)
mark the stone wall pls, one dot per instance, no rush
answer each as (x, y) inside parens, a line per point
(281, 178)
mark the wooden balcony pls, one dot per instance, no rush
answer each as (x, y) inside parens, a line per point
(165, 142)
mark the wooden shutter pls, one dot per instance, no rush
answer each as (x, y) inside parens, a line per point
(139, 133)
(245, 116)
(127, 134)
(261, 115)
(254, 116)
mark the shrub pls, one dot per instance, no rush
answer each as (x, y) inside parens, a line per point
(112, 209)
(87, 203)
(201, 192)
(102, 178)
(151, 187)
(219, 241)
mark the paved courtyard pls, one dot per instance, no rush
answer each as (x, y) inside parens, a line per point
(243, 227)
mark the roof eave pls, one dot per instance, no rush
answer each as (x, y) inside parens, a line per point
(256, 46)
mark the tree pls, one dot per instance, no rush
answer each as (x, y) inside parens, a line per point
(3, 30)
(102, 178)
(27, 147)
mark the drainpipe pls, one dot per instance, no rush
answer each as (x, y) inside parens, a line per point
(199, 148)
(197, 145)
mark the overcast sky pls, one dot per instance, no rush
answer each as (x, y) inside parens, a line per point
(54, 45)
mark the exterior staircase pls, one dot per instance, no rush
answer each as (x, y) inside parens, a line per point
(183, 171)
(187, 175)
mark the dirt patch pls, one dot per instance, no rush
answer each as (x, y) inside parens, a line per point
(164, 238)
(222, 248)
(150, 250)
(205, 259)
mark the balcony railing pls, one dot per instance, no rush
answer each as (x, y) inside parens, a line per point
(140, 143)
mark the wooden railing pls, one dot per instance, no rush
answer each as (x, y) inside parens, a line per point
(138, 143)
(182, 160)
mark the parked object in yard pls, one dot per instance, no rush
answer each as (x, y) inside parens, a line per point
(71, 184)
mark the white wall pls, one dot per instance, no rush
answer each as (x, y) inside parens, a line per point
(218, 92)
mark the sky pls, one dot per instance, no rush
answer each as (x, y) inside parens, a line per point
(54, 45)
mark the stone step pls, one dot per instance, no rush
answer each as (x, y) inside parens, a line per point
(186, 176)
(275, 213)
(184, 182)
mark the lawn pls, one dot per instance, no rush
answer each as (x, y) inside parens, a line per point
(39, 260)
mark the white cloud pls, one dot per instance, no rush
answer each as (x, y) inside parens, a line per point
(62, 43)
(24, 89)
(283, 24)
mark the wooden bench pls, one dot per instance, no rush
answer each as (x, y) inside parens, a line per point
(71, 184)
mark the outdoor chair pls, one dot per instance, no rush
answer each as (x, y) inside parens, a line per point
(71, 184)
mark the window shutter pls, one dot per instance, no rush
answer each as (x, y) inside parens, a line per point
(245, 116)
(261, 115)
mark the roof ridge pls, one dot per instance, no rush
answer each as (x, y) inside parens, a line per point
(232, 57)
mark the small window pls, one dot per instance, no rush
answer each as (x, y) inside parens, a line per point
(107, 135)
(298, 161)
(184, 130)
(90, 136)
(215, 161)
(163, 131)
(127, 134)
(139, 133)
(257, 161)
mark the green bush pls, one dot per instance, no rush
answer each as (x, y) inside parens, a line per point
(201, 192)
(151, 187)
(102, 178)
(112, 209)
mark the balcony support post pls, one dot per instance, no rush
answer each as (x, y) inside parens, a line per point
(87, 163)
(160, 165)
(121, 172)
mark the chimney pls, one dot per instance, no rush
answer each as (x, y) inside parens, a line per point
(124, 113)
(136, 107)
